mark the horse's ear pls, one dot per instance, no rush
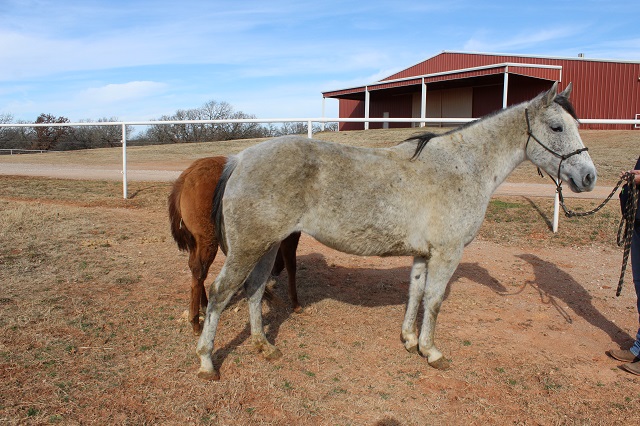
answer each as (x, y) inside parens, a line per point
(567, 92)
(547, 98)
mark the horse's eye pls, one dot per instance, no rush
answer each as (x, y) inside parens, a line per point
(557, 129)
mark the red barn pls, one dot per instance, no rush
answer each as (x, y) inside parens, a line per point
(470, 85)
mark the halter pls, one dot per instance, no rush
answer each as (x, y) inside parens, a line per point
(560, 156)
(627, 223)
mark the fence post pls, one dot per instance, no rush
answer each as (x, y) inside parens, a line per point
(124, 161)
(309, 129)
(556, 211)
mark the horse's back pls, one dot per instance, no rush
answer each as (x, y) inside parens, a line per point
(340, 194)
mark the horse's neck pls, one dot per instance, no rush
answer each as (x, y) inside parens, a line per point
(494, 147)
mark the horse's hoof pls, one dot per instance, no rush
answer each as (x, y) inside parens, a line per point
(272, 354)
(412, 349)
(440, 364)
(197, 329)
(209, 375)
(298, 309)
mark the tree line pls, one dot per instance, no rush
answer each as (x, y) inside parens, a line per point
(63, 138)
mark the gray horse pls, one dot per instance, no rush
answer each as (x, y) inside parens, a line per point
(425, 198)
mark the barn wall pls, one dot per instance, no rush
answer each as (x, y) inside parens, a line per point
(522, 89)
(486, 99)
(397, 106)
(349, 108)
(605, 90)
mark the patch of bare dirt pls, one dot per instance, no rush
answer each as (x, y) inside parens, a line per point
(92, 332)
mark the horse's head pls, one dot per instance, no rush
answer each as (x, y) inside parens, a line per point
(554, 143)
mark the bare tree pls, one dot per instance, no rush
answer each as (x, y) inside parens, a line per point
(302, 128)
(5, 132)
(48, 138)
(87, 137)
(203, 132)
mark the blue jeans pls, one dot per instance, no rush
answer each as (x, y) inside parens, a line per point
(635, 267)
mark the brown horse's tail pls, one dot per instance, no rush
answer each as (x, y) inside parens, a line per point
(216, 212)
(183, 237)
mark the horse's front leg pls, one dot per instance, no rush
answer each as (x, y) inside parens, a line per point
(254, 287)
(442, 265)
(416, 290)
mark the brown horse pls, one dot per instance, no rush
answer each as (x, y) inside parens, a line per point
(190, 204)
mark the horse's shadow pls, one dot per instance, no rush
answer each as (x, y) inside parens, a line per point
(553, 283)
(318, 280)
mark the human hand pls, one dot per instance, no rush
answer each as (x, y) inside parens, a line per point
(635, 173)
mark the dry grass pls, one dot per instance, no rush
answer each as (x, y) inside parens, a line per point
(93, 289)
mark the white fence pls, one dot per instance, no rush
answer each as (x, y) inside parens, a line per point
(16, 151)
(309, 121)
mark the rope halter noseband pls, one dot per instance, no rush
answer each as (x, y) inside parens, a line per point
(560, 156)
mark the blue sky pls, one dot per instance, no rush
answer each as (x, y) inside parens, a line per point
(141, 59)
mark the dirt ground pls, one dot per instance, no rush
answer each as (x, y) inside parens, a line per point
(93, 291)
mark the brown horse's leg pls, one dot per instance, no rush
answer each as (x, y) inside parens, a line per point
(278, 266)
(288, 249)
(207, 255)
(200, 260)
(197, 291)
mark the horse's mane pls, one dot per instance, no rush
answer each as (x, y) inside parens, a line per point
(566, 104)
(424, 138)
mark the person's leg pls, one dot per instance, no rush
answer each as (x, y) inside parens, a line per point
(632, 354)
(635, 268)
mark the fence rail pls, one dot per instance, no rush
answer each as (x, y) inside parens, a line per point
(15, 151)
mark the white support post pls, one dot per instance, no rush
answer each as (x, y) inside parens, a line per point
(423, 103)
(124, 161)
(322, 125)
(310, 129)
(505, 89)
(556, 211)
(367, 99)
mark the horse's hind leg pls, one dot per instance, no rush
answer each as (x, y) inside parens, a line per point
(197, 291)
(254, 287)
(416, 290)
(227, 283)
(206, 254)
(200, 260)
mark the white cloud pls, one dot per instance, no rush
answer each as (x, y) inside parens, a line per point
(482, 41)
(113, 93)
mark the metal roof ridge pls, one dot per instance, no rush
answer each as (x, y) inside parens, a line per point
(521, 55)
(442, 73)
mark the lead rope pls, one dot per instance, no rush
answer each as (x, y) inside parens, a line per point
(627, 222)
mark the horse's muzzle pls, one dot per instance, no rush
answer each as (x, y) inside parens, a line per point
(585, 181)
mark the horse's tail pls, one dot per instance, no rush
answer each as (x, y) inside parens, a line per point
(216, 212)
(183, 237)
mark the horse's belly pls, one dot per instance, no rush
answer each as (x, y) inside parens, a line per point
(363, 239)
